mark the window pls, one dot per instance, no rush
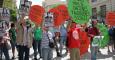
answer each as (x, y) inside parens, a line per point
(103, 11)
(93, 0)
(1, 3)
(94, 13)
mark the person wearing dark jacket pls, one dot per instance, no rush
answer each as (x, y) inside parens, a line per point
(114, 37)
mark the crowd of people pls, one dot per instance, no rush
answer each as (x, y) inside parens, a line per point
(23, 37)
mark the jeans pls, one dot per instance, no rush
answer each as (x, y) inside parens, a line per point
(93, 52)
(23, 52)
(62, 43)
(37, 46)
(47, 54)
(4, 49)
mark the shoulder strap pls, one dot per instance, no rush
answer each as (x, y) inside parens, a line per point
(48, 37)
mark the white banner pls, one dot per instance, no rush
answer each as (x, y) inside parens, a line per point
(4, 14)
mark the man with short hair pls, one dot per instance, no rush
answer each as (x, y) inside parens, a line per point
(74, 42)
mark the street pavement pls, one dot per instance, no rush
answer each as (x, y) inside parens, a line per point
(103, 55)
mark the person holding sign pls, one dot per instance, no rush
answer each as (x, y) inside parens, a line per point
(74, 42)
(24, 39)
(92, 32)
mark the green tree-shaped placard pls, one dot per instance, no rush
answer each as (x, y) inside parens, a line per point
(104, 32)
(79, 10)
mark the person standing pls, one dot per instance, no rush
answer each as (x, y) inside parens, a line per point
(47, 53)
(92, 32)
(12, 34)
(63, 37)
(74, 42)
(4, 46)
(24, 40)
(57, 43)
(110, 31)
(4, 41)
(113, 37)
(37, 41)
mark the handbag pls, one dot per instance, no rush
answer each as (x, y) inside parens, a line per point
(8, 45)
(51, 44)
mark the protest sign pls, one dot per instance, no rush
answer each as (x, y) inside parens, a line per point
(104, 32)
(85, 42)
(57, 17)
(36, 14)
(79, 10)
(110, 18)
(64, 12)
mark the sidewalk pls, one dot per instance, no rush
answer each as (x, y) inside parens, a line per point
(104, 55)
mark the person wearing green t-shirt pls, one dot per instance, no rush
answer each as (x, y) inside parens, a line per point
(12, 34)
(37, 41)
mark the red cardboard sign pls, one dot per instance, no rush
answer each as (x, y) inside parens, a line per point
(57, 17)
(85, 42)
(64, 11)
(36, 14)
(110, 18)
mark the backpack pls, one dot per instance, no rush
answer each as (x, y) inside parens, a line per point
(38, 34)
(110, 32)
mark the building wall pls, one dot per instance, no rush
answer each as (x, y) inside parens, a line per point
(48, 4)
(110, 6)
(11, 4)
(1, 3)
(6, 8)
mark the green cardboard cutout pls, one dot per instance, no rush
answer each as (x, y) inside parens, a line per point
(79, 10)
(104, 32)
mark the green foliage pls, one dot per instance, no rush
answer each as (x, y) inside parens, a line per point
(13, 16)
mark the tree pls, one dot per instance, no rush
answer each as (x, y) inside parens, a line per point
(13, 16)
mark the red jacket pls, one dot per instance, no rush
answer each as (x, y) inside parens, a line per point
(72, 42)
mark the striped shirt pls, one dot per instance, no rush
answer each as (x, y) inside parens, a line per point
(45, 39)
